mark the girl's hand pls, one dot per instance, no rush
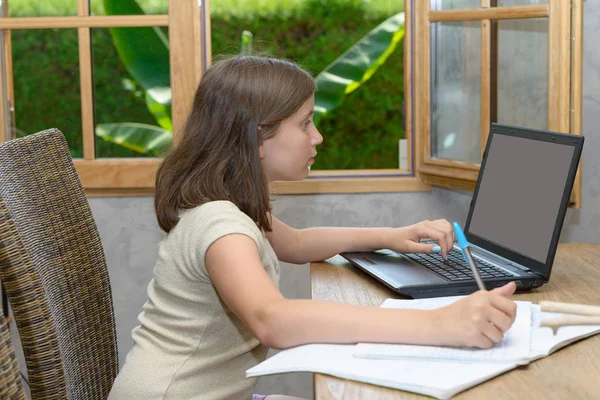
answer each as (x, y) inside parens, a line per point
(479, 320)
(407, 239)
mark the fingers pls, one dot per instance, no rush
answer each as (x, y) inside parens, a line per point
(496, 301)
(413, 247)
(506, 290)
(501, 301)
(492, 328)
(440, 231)
(482, 341)
(449, 233)
(492, 332)
(505, 305)
(500, 320)
(488, 335)
(490, 316)
(501, 314)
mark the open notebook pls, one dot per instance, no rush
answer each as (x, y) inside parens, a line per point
(453, 374)
(524, 342)
(514, 347)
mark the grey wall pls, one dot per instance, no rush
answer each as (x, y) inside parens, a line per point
(583, 225)
(130, 234)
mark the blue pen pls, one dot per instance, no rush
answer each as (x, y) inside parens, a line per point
(464, 248)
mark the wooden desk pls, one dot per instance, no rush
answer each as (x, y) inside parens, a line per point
(573, 372)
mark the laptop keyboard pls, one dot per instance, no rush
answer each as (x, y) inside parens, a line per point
(455, 267)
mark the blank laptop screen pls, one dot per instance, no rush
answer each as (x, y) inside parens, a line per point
(520, 193)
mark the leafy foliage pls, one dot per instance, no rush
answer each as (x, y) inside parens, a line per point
(362, 133)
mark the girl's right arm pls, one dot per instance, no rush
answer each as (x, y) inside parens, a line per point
(479, 320)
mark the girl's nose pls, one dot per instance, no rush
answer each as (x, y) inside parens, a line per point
(317, 138)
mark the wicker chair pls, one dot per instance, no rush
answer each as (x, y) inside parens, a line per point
(10, 376)
(54, 271)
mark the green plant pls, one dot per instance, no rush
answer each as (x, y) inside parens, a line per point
(363, 131)
(348, 72)
(357, 65)
(145, 53)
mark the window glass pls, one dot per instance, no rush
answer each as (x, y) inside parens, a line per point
(512, 3)
(127, 7)
(436, 5)
(363, 132)
(46, 83)
(131, 92)
(456, 91)
(36, 8)
(522, 76)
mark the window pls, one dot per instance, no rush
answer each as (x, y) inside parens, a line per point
(516, 62)
(103, 169)
(466, 63)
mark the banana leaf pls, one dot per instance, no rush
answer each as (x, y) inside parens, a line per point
(141, 138)
(356, 65)
(161, 113)
(145, 53)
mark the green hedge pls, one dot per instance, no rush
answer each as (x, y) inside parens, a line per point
(47, 90)
(362, 133)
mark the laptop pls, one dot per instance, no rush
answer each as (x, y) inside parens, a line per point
(514, 221)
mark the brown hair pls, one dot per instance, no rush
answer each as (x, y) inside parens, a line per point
(217, 155)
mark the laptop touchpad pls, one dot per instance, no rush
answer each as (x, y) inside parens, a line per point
(396, 269)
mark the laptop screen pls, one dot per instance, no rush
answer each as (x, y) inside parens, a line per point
(523, 183)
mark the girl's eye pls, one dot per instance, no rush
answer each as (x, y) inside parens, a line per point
(307, 123)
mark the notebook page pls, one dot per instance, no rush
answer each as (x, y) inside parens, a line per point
(411, 375)
(515, 346)
(544, 342)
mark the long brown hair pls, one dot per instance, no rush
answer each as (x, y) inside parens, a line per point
(217, 155)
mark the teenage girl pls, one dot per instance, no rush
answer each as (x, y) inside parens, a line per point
(214, 307)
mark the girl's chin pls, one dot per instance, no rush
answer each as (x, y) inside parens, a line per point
(303, 175)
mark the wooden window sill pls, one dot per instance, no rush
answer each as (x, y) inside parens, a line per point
(351, 185)
(307, 186)
(448, 177)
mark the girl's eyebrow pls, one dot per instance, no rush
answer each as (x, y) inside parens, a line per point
(309, 113)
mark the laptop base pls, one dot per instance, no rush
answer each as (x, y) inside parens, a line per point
(410, 279)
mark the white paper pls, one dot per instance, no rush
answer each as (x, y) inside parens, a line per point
(437, 379)
(441, 379)
(514, 347)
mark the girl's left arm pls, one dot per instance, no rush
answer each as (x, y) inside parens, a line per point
(300, 246)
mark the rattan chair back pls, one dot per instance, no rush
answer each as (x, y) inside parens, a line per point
(53, 268)
(11, 385)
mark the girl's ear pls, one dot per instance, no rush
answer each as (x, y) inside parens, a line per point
(262, 152)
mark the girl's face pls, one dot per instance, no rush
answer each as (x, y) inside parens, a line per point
(288, 155)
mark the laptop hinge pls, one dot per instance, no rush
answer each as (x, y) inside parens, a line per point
(545, 278)
(531, 271)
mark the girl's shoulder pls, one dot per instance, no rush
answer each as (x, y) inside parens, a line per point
(213, 207)
(216, 212)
